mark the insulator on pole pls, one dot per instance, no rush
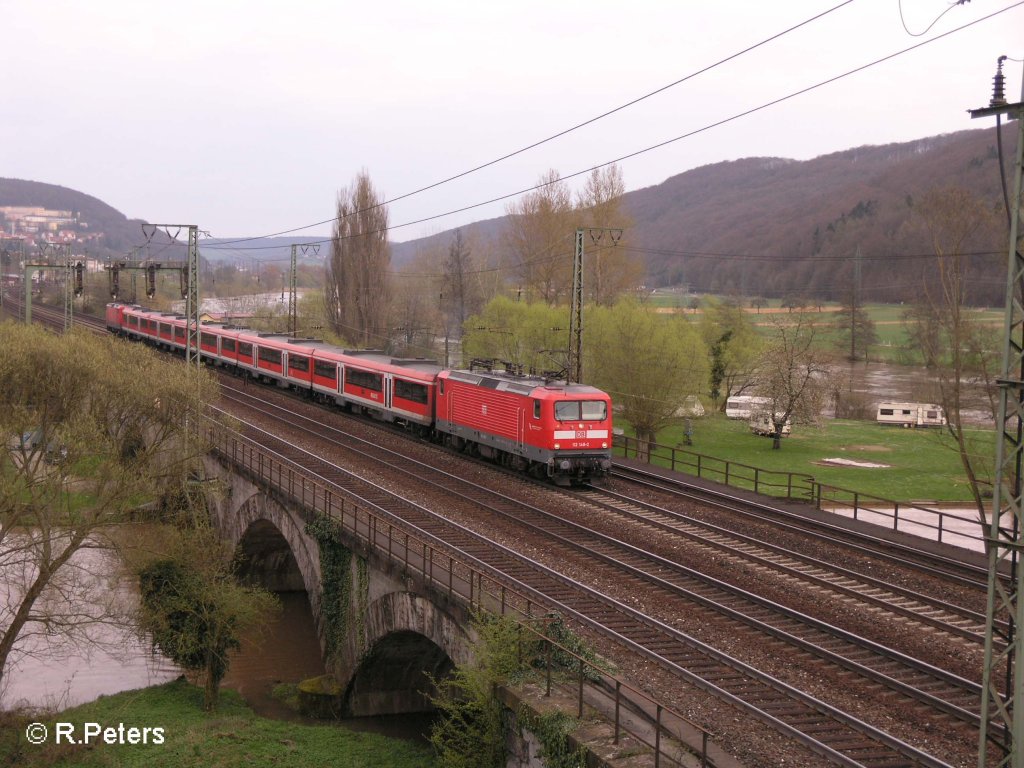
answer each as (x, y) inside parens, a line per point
(999, 85)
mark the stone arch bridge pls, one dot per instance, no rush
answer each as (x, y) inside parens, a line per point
(384, 632)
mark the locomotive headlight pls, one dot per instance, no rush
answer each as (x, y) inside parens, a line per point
(557, 446)
(604, 445)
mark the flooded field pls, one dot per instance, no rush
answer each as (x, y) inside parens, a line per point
(871, 383)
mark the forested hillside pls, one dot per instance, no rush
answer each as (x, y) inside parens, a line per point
(758, 226)
(780, 227)
(776, 227)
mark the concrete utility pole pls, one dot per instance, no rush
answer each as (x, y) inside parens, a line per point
(58, 257)
(293, 304)
(1002, 711)
(574, 369)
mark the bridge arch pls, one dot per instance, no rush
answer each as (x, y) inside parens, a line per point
(278, 553)
(406, 640)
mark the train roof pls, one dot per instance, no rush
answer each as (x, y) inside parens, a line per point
(523, 385)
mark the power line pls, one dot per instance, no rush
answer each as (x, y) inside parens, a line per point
(936, 21)
(774, 258)
(567, 131)
(667, 142)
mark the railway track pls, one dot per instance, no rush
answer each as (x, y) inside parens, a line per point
(925, 610)
(808, 641)
(903, 555)
(842, 738)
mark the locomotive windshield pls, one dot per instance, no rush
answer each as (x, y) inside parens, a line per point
(581, 410)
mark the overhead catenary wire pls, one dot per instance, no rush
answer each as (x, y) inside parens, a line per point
(667, 142)
(564, 132)
(936, 21)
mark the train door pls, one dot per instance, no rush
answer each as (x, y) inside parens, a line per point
(520, 429)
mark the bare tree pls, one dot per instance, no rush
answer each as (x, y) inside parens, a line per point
(415, 313)
(461, 286)
(609, 269)
(92, 428)
(356, 287)
(792, 373)
(539, 239)
(955, 346)
(856, 329)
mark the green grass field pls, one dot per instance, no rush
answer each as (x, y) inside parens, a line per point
(892, 346)
(920, 464)
(232, 737)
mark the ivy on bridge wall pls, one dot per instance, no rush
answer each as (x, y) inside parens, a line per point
(337, 586)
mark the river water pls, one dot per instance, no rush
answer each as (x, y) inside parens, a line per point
(877, 382)
(285, 650)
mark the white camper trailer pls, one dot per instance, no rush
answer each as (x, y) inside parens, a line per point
(911, 414)
(761, 423)
(744, 406)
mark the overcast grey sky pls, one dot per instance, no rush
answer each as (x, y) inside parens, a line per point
(246, 118)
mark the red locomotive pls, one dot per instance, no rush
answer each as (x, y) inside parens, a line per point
(549, 429)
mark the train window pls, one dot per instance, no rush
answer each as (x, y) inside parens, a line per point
(208, 340)
(581, 410)
(567, 410)
(298, 363)
(165, 329)
(325, 369)
(442, 387)
(408, 390)
(133, 320)
(536, 409)
(270, 356)
(227, 345)
(244, 349)
(179, 332)
(364, 379)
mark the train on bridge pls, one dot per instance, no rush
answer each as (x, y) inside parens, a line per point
(549, 429)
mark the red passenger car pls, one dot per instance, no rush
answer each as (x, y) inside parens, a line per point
(551, 429)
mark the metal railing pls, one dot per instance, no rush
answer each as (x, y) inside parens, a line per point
(915, 518)
(910, 517)
(797, 486)
(461, 577)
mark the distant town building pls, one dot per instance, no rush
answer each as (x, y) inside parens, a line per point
(38, 225)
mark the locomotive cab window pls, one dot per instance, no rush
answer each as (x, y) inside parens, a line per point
(581, 410)
(536, 409)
